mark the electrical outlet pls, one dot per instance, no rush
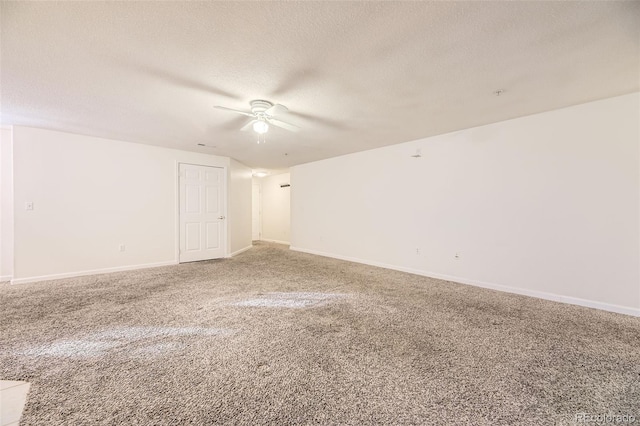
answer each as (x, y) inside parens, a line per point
(418, 250)
(28, 205)
(122, 247)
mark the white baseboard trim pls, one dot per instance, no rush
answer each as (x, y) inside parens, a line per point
(499, 287)
(90, 272)
(5, 278)
(242, 250)
(286, 243)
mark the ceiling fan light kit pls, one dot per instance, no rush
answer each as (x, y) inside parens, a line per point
(260, 127)
(263, 115)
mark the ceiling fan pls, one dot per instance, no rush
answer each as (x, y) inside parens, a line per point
(263, 114)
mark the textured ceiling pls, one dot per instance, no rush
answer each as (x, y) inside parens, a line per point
(355, 75)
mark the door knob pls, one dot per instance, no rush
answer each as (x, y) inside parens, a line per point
(221, 217)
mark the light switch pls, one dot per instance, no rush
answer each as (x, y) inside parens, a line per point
(28, 205)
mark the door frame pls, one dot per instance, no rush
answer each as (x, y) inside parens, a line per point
(226, 242)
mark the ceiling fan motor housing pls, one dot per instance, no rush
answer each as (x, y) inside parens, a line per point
(259, 106)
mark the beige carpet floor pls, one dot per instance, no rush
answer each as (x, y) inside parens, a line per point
(279, 337)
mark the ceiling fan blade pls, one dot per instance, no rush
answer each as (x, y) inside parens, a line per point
(283, 124)
(248, 126)
(276, 109)
(248, 114)
(329, 122)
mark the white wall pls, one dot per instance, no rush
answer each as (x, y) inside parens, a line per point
(6, 206)
(256, 209)
(239, 207)
(276, 208)
(92, 194)
(546, 205)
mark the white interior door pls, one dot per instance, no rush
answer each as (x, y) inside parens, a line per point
(256, 210)
(202, 213)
